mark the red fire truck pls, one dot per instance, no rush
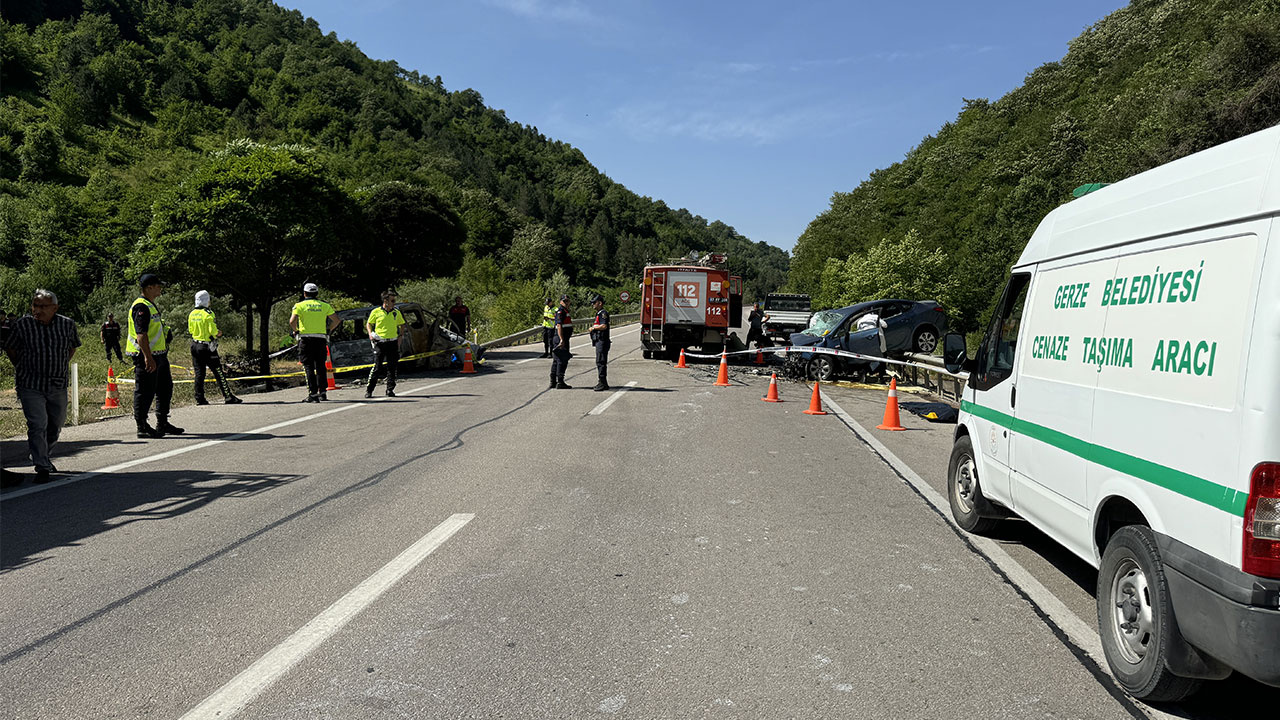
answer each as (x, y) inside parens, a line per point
(690, 302)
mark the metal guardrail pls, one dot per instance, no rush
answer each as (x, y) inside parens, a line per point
(934, 378)
(536, 332)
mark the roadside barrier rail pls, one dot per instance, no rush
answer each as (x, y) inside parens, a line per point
(536, 332)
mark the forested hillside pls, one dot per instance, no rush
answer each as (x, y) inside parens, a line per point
(1148, 84)
(231, 143)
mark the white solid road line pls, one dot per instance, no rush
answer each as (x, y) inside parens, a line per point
(200, 446)
(612, 399)
(1076, 630)
(243, 688)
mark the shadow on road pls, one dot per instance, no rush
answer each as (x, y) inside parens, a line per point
(33, 524)
(15, 454)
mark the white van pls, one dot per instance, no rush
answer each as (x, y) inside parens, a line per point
(1126, 401)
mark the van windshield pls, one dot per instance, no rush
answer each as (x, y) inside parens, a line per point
(823, 323)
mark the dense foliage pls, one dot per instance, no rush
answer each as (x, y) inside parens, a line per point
(233, 145)
(1150, 83)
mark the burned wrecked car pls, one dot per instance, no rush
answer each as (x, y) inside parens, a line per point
(422, 333)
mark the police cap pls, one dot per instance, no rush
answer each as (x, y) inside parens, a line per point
(148, 280)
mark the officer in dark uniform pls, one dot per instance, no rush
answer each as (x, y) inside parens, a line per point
(560, 345)
(600, 339)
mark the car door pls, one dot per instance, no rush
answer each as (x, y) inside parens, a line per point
(898, 326)
(992, 382)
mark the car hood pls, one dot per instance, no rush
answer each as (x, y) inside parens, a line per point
(803, 339)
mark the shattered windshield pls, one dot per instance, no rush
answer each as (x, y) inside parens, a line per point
(823, 323)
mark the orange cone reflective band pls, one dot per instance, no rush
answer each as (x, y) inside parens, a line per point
(722, 380)
(891, 419)
(113, 394)
(681, 364)
(773, 390)
(815, 402)
(467, 367)
(328, 372)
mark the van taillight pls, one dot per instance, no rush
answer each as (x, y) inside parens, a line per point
(1262, 522)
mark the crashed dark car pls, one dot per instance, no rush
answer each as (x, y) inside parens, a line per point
(910, 326)
(422, 332)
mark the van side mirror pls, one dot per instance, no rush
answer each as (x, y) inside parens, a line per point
(954, 353)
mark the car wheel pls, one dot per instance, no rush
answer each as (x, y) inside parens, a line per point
(963, 490)
(822, 368)
(1135, 617)
(926, 340)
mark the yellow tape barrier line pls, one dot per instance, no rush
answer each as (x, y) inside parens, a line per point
(348, 368)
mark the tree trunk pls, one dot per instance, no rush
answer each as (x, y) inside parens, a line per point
(264, 322)
(248, 329)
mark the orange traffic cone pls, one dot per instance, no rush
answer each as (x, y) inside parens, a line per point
(328, 372)
(759, 356)
(681, 364)
(891, 419)
(467, 367)
(113, 395)
(815, 402)
(722, 380)
(773, 390)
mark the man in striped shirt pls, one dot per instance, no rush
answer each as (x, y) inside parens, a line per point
(41, 346)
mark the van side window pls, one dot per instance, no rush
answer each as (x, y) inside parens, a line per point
(995, 363)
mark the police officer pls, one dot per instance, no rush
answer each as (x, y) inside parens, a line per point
(548, 327)
(148, 345)
(600, 339)
(384, 332)
(203, 326)
(563, 327)
(312, 320)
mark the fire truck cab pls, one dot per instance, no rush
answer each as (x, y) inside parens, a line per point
(690, 302)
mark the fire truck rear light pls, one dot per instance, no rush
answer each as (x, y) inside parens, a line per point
(1262, 522)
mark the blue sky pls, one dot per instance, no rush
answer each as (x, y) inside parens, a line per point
(749, 112)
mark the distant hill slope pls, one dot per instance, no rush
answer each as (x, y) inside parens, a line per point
(1146, 85)
(106, 105)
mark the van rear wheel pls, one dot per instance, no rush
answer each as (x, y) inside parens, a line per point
(1135, 617)
(963, 490)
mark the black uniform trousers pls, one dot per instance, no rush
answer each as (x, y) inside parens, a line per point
(547, 334)
(313, 351)
(204, 356)
(113, 345)
(602, 362)
(148, 386)
(559, 361)
(386, 360)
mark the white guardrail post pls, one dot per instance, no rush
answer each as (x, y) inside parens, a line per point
(75, 394)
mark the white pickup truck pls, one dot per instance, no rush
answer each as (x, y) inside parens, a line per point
(788, 313)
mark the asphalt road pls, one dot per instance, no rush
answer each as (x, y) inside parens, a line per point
(482, 547)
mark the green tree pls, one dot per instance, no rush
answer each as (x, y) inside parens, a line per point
(906, 268)
(254, 222)
(405, 231)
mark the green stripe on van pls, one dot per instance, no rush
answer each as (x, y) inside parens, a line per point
(1196, 488)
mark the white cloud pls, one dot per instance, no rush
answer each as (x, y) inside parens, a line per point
(566, 11)
(657, 120)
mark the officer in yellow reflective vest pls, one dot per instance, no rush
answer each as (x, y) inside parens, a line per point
(312, 320)
(203, 326)
(148, 345)
(548, 327)
(383, 327)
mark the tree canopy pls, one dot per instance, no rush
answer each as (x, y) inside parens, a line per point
(107, 105)
(1148, 84)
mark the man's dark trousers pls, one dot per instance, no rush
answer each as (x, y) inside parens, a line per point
(559, 361)
(150, 386)
(202, 357)
(547, 334)
(602, 362)
(113, 345)
(386, 359)
(313, 351)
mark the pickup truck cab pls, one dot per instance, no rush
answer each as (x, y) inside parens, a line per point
(788, 313)
(1125, 400)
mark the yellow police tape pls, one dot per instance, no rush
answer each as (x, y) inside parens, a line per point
(348, 368)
